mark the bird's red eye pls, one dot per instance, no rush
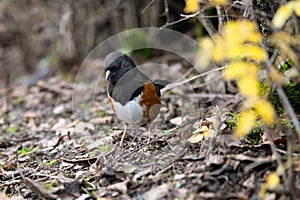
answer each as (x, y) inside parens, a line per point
(118, 67)
(115, 68)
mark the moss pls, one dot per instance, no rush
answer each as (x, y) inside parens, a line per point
(292, 92)
(18, 100)
(255, 135)
(51, 162)
(89, 179)
(12, 129)
(101, 113)
(24, 151)
(105, 148)
(231, 123)
(264, 90)
(286, 65)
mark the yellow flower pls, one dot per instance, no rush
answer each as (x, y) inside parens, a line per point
(296, 7)
(191, 6)
(245, 123)
(238, 70)
(254, 52)
(265, 110)
(218, 50)
(272, 180)
(248, 86)
(283, 13)
(218, 2)
(207, 45)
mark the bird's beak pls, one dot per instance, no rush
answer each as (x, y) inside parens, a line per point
(107, 74)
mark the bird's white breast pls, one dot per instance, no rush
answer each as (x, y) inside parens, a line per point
(131, 112)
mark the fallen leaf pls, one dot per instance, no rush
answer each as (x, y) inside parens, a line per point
(176, 121)
(272, 180)
(60, 124)
(179, 176)
(120, 187)
(102, 120)
(59, 109)
(196, 138)
(157, 193)
(215, 159)
(14, 197)
(249, 183)
(81, 126)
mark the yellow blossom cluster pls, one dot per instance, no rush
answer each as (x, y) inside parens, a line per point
(192, 6)
(238, 44)
(284, 12)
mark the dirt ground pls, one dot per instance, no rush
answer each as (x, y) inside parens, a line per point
(51, 150)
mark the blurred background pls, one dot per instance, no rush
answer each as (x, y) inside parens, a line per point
(42, 38)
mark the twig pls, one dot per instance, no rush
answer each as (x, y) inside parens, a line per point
(284, 100)
(172, 131)
(290, 111)
(185, 17)
(277, 156)
(295, 23)
(147, 6)
(201, 96)
(180, 155)
(141, 147)
(220, 13)
(288, 108)
(167, 11)
(37, 187)
(207, 24)
(170, 86)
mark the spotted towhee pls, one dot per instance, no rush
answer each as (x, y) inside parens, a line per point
(133, 97)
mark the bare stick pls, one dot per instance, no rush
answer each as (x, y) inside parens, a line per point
(185, 17)
(167, 11)
(170, 86)
(207, 24)
(220, 17)
(147, 6)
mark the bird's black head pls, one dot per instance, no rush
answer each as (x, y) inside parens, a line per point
(115, 65)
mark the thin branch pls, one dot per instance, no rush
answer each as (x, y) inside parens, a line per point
(147, 6)
(207, 24)
(199, 96)
(170, 86)
(277, 156)
(185, 17)
(220, 13)
(167, 11)
(295, 23)
(283, 98)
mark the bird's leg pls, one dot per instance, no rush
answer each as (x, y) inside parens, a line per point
(123, 135)
(149, 129)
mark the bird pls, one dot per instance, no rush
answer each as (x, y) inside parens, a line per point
(133, 97)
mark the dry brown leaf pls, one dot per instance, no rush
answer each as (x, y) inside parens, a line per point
(157, 193)
(215, 159)
(120, 187)
(14, 197)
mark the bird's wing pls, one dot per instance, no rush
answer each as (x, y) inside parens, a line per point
(129, 86)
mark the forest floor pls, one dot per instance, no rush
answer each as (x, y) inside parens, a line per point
(52, 150)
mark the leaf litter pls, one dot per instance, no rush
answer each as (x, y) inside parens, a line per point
(48, 153)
